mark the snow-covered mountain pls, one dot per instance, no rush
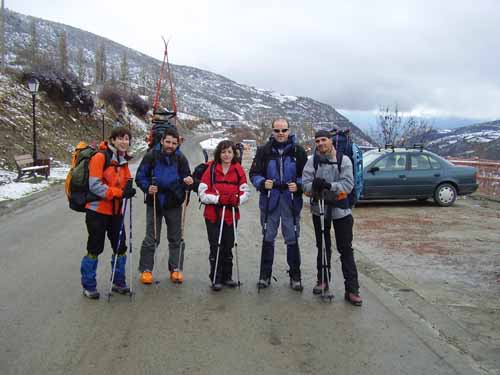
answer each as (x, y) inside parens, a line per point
(199, 92)
(478, 140)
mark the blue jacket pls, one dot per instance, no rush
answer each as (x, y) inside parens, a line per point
(168, 171)
(281, 167)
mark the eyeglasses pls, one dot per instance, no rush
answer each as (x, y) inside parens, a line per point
(277, 131)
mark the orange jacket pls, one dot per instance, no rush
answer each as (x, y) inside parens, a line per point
(109, 183)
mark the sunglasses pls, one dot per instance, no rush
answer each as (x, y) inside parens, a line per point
(277, 131)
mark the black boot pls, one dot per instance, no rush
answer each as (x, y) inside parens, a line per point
(266, 264)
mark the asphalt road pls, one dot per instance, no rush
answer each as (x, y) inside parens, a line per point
(47, 327)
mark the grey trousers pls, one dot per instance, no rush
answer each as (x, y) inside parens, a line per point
(173, 217)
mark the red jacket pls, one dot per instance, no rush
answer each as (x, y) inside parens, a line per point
(233, 182)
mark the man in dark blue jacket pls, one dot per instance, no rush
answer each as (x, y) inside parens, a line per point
(277, 173)
(164, 177)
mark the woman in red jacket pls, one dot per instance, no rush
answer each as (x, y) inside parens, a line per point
(223, 184)
(108, 176)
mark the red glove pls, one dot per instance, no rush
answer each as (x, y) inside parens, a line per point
(229, 200)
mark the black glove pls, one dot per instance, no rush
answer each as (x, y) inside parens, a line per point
(262, 187)
(129, 191)
(319, 184)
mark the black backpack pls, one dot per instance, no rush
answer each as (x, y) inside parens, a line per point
(161, 122)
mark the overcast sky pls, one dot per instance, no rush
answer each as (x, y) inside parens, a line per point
(436, 57)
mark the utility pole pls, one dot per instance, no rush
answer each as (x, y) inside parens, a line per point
(2, 36)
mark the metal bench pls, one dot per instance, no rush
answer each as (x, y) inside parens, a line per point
(26, 166)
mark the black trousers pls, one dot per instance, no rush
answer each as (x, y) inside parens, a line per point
(343, 237)
(98, 225)
(225, 263)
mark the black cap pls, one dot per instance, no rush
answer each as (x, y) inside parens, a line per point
(322, 133)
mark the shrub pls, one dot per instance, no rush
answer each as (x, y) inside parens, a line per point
(138, 105)
(113, 97)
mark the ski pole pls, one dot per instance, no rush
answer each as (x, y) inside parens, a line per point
(130, 250)
(113, 269)
(183, 223)
(235, 230)
(218, 244)
(296, 235)
(324, 275)
(153, 182)
(266, 216)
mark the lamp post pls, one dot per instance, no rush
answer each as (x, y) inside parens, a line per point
(103, 112)
(33, 85)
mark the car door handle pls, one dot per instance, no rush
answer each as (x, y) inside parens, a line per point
(402, 176)
(437, 174)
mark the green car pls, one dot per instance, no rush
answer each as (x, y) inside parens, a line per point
(414, 173)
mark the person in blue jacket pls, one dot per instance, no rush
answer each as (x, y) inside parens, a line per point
(276, 172)
(164, 177)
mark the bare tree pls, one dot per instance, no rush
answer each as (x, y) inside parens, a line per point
(396, 129)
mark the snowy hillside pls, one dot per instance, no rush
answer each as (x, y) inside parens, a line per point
(199, 92)
(478, 140)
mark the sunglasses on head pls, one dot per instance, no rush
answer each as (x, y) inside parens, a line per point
(280, 130)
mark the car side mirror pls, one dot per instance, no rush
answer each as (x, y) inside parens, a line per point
(373, 170)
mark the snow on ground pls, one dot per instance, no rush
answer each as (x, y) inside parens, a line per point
(211, 143)
(9, 189)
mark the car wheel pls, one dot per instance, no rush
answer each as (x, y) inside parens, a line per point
(445, 195)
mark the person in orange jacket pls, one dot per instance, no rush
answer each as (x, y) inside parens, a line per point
(108, 177)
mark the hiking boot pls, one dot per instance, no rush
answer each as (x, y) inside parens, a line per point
(176, 277)
(296, 285)
(230, 283)
(216, 287)
(121, 288)
(353, 298)
(320, 288)
(91, 294)
(263, 283)
(147, 277)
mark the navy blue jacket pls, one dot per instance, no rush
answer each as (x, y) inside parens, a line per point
(283, 168)
(169, 171)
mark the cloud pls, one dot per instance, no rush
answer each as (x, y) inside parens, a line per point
(437, 56)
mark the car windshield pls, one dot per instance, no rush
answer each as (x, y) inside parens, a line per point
(370, 156)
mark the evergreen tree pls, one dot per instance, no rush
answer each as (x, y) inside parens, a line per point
(33, 45)
(80, 64)
(124, 73)
(63, 52)
(2, 36)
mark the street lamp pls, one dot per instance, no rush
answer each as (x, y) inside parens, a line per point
(103, 112)
(33, 85)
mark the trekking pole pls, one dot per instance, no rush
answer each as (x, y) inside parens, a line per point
(218, 244)
(153, 182)
(235, 230)
(324, 275)
(296, 235)
(130, 250)
(266, 216)
(113, 269)
(183, 223)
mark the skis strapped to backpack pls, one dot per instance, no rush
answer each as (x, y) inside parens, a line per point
(77, 180)
(344, 145)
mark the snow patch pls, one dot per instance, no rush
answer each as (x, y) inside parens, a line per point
(211, 143)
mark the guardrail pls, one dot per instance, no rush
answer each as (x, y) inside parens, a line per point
(488, 176)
